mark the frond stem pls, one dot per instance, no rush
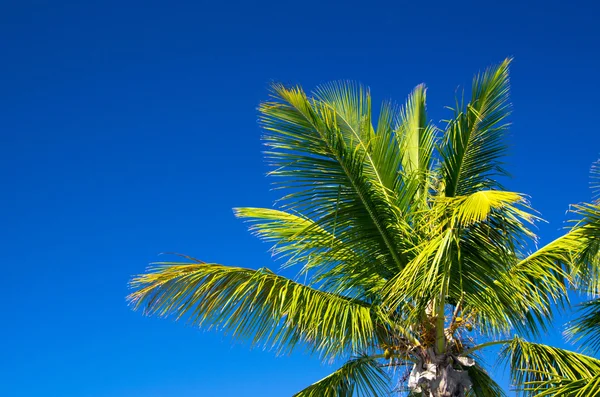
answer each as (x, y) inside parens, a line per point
(484, 345)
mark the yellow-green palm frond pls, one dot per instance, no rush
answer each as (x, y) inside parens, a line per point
(350, 103)
(403, 139)
(509, 303)
(541, 370)
(558, 255)
(417, 140)
(256, 304)
(499, 218)
(573, 258)
(506, 292)
(360, 376)
(482, 384)
(550, 269)
(473, 140)
(566, 387)
(498, 302)
(411, 129)
(331, 262)
(585, 266)
(586, 327)
(422, 278)
(474, 245)
(336, 184)
(479, 206)
(586, 261)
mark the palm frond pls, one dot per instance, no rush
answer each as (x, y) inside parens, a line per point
(255, 304)
(586, 328)
(417, 140)
(361, 376)
(537, 368)
(330, 181)
(331, 262)
(421, 279)
(473, 140)
(412, 127)
(482, 384)
(551, 267)
(505, 303)
(385, 150)
(473, 245)
(586, 261)
(565, 387)
(478, 206)
(506, 293)
(351, 104)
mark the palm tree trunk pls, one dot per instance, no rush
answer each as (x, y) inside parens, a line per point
(438, 377)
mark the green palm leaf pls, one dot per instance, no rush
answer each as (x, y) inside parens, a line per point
(331, 262)
(414, 132)
(361, 376)
(478, 206)
(565, 387)
(331, 175)
(586, 328)
(586, 262)
(543, 370)
(255, 304)
(482, 384)
(417, 140)
(473, 140)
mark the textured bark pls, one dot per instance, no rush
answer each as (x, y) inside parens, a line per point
(441, 376)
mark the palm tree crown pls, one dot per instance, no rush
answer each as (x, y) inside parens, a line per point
(415, 256)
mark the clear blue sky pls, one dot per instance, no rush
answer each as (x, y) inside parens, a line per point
(129, 128)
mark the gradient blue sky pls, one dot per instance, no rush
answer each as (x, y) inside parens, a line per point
(129, 128)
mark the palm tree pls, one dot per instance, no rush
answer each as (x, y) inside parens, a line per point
(415, 258)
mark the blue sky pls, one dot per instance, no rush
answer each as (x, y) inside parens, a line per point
(129, 128)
